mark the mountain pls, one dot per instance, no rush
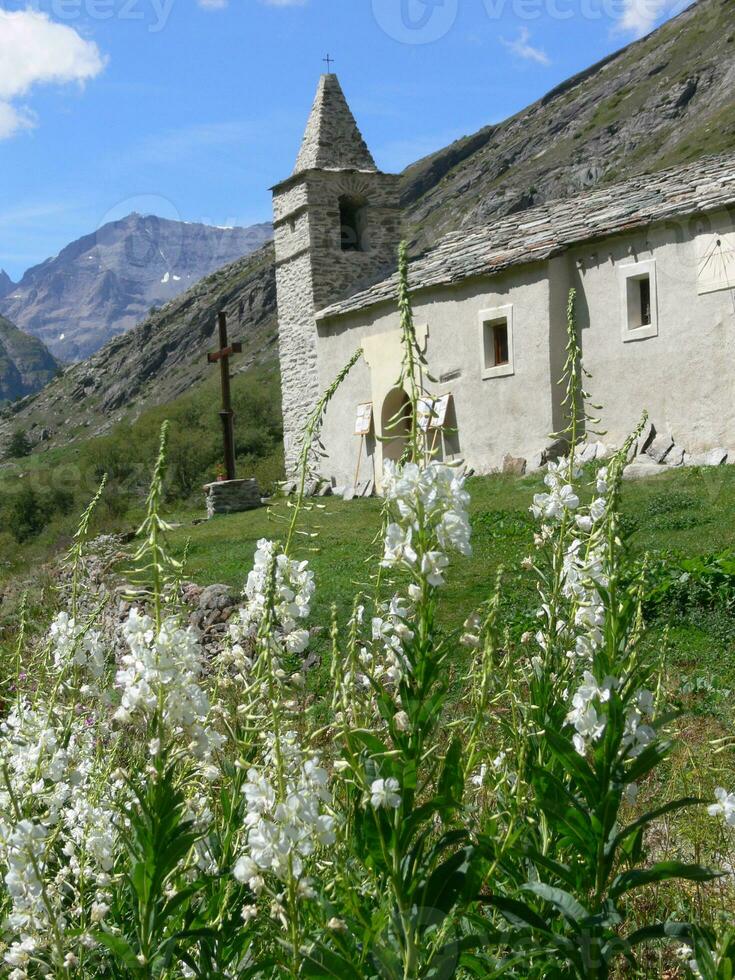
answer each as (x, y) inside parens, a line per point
(160, 359)
(6, 283)
(660, 101)
(104, 283)
(25, 364)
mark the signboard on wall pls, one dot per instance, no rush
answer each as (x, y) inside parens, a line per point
(715, 262)
(364, 419)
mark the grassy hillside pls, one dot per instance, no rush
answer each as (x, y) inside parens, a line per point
(41, 495)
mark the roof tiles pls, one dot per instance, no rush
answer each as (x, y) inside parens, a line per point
(541, 232)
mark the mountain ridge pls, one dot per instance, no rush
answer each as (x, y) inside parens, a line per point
(6, 283)
(105, 282)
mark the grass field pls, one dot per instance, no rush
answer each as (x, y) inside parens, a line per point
(675, 516)
(679, 514)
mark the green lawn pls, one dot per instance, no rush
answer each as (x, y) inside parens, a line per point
(681, 513)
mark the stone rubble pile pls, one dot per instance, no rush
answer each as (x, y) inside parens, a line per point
(653, 453)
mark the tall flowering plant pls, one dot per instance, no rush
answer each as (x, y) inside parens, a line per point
(588, 728)
(410, 862)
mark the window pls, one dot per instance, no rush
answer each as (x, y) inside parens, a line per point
(644, 299)
(352, 223)
(500, 342)
(496, 333)
(638, 300)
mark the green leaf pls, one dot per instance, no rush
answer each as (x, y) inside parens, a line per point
(451, 780)
(518, 913)
(649, 817)
(660, 930)
(567, 904)
(120, 949)
(324, 962)
(663, 871)
(457, 879)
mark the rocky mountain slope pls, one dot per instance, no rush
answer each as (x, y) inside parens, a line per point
(25, 364)
(662, 100)
(6, 283)
(107, 282)
(158, 360)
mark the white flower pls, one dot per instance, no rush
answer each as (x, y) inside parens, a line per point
(287, 818)
(724, 807)
(98, 911)
(433, 564)
(293, 590)
(76, 646)
(248, 913)
(430, 499)
(165, 666)
(385, 793)
(401, 721)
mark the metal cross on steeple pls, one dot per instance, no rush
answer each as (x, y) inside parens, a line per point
(328, 62)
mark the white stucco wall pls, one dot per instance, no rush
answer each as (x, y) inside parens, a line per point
(684, 375)
(496, 415)
(682, 372)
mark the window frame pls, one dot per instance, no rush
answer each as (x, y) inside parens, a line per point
(487, 319)
(630, 275)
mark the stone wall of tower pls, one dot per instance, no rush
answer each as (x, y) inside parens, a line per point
(312, 271)
(297, 350)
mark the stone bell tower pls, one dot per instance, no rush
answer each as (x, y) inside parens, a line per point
(336, 229)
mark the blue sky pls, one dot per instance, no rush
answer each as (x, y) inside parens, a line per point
(193, 108)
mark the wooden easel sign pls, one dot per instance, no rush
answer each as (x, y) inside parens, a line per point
(438, 421)
(439, 415)
(363, 427)
(424, 413)
(364, 419)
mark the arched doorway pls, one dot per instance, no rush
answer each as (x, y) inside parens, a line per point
(395, 424)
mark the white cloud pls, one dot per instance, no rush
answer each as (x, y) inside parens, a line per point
(213, 4)
(12, 120)
(639, 17)
(34, 50)
(523, 49)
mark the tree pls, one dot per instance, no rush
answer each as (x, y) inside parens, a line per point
(19, 445)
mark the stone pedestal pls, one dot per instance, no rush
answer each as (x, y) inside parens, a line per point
(232, 496)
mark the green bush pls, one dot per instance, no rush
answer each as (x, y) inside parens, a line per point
(19, 445)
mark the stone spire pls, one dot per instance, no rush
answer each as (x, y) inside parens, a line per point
(332, 140)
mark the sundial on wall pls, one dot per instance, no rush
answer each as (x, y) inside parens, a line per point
(715, 262)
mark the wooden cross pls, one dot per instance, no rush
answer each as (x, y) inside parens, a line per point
(328, 62)
(228, 428)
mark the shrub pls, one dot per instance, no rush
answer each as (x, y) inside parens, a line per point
(19, 445)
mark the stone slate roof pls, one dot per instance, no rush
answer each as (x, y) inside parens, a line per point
(332, 140)
(542, 232)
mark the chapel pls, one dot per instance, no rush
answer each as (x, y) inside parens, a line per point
(652, 260)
